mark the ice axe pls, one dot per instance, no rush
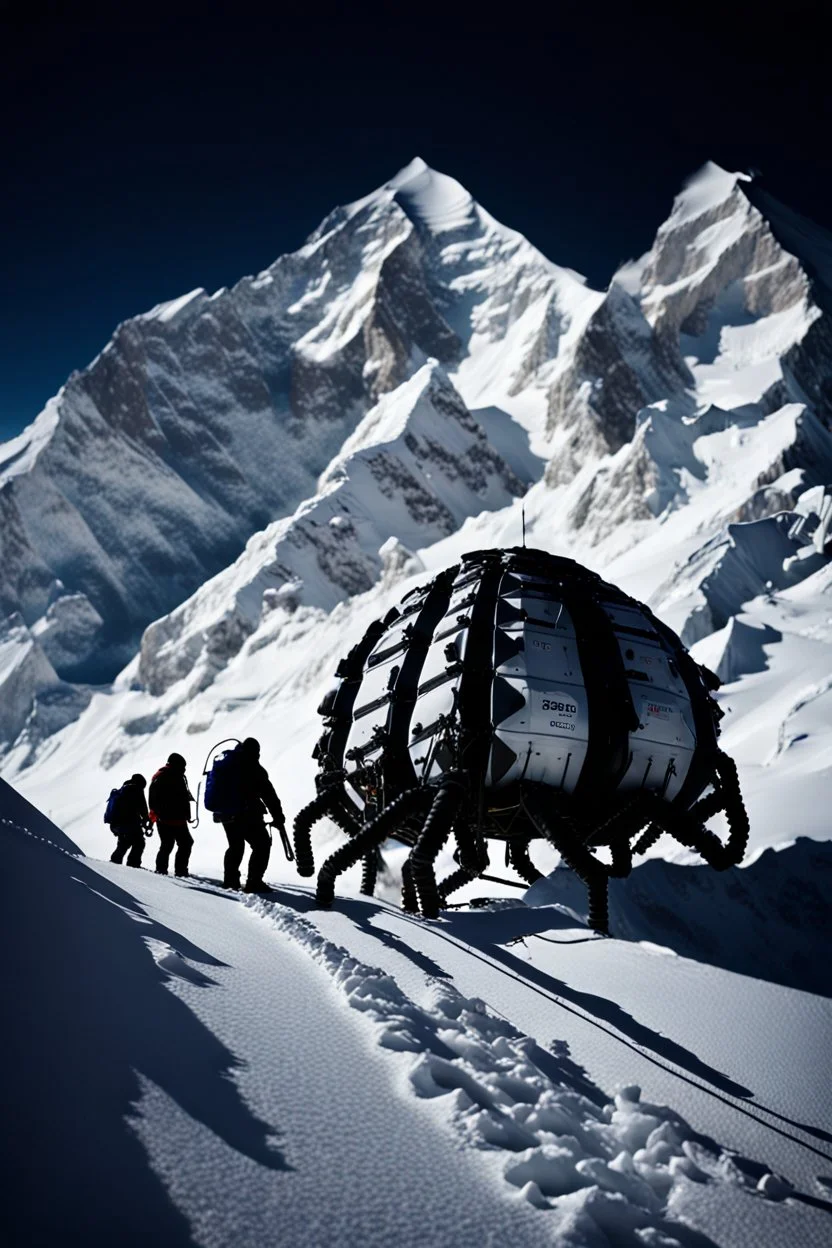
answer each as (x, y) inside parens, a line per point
(284, 838)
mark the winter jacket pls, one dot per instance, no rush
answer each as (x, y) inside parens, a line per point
(132, 809)
(170, 797)
(257, 789)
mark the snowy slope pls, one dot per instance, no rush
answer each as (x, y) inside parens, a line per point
(191, 1069)
(777, 663)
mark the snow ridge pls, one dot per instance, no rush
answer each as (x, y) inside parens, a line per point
(210, 417)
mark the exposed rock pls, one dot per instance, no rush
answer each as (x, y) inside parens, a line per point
(53, 709)
(731, 569)
(397, 562)
(619, 366)
(25, 672)
(204, 419)
(413, 470)
(68, 634)
(298, 407)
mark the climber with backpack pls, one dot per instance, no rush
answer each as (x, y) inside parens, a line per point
(238, 792)
(170, 809)
(128, 818)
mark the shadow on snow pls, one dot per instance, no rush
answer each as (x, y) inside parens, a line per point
(88, 1012)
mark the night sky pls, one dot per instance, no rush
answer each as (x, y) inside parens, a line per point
(143, 155)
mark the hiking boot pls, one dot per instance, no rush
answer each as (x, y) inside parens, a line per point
(159, 871)
(257, 886)
(231, 884)
(182, 875)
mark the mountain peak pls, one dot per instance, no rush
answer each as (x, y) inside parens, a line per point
(413, 169)
(431, 199)
(709, 186)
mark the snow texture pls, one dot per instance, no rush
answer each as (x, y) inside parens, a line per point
(263, 1072)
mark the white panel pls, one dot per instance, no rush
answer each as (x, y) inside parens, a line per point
(436, 661)
(546, 655)
(513, 582)
(549, 610)
(630, 617)
(662, 747)
(657, 769)
(543, 760)
(548, 710)
(664, 718)
(392, 637)
(374, 683)
(361, 730)
(462, 599)
(640, 656)
(429, 706)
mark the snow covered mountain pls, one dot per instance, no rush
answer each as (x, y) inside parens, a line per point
(210, 416)
(672, 432)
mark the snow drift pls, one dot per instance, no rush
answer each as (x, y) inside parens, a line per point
(189, 1068)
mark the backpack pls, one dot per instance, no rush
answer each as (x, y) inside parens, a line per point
(224, 795)
(159, 794)
(114, 811)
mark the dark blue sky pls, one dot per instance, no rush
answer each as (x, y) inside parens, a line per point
(146, 155)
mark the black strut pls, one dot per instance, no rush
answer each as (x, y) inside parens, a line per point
(567, 840)
(518, 856)
(305, 818)
(370, 837)
(436, 830)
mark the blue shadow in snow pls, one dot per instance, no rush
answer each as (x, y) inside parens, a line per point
(88, 1012)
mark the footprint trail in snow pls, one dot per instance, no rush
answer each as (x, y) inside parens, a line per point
(599, 1164)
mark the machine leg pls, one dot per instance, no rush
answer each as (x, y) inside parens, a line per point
(315, 810)
(571, 848)
(369, 838)
(687, 828)
(735, 811)
(434, 834)
(410, 900)
(369, 874)
(518, 856)
(454, 881)
(341, 812)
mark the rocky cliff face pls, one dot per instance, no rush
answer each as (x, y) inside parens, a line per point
(742, 286)
(413, 470)
(736, 335)
(34, 701)
(619, 366)
(203, 420)
(211, 416)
